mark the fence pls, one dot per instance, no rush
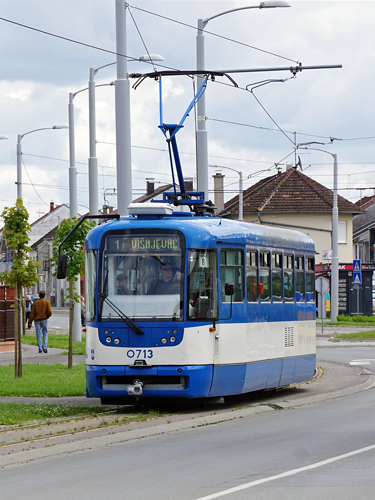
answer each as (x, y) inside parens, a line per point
(6, 313)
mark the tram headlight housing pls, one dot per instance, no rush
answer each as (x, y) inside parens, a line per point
(117, 341)
(108, 340)
(164, 340)
(172, 339)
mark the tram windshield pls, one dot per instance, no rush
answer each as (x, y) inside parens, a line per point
(142, 276)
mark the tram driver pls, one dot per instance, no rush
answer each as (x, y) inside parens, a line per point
(168, 281)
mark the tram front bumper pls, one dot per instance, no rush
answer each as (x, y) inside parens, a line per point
(162, 381)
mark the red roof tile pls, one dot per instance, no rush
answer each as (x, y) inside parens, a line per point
(290, 191)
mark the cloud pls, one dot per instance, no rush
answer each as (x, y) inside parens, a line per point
(39, 71)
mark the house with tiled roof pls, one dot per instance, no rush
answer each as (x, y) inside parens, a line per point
(364, 230)
(292, 199)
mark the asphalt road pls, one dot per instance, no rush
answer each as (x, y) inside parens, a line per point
(358, 355)
(325, 450)
(314, 442)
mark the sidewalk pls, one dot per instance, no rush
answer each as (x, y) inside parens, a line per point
(30, 354)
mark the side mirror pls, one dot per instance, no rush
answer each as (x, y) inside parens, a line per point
(61, 266)
(229, 289)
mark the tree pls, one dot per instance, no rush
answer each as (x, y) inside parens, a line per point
(23, 270)
(73, 249)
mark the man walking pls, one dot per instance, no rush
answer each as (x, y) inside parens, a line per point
(40, 313)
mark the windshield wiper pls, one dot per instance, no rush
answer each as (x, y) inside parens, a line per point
(122, 315)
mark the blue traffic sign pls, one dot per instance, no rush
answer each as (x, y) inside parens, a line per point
(357, 276)
(356, 265)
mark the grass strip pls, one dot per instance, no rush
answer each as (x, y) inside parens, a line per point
(357, 335)
(40, 380)
(57, 341)
(356, 320)
(22, 413)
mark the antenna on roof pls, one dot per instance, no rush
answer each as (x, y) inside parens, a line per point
(299, 163)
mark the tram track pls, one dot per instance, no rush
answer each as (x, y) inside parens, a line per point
(38, 435)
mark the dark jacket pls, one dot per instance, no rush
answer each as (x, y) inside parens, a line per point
(41, 310)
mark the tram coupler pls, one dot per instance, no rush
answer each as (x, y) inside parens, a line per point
(136, 389)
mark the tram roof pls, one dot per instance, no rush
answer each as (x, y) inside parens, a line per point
(206, 232)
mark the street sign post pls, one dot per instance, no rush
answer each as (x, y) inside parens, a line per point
(322, 286)
(357, 278)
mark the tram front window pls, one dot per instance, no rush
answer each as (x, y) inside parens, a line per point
(142, 275)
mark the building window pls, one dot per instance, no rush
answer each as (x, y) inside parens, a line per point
(342, 231)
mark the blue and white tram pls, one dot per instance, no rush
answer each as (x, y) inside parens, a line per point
(183, 337)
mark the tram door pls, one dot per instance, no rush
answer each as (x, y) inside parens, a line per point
(228, 375)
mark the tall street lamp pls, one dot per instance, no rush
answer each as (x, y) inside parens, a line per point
(93, 160)
(335, 238)
(201, 134)
(122, 105)
(19, 154)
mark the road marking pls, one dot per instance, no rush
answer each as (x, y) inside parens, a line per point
(287, 473)
(360, 362)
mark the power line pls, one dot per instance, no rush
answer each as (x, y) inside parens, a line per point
(287, 131)
(214, 34)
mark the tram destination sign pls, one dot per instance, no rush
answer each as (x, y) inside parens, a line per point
(144, 243)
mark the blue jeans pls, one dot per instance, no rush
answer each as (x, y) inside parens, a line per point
(41, 328)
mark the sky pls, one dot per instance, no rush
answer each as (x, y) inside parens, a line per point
(48, 47)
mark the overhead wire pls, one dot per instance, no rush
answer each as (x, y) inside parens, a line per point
(214, 34)
(193, 27)
(24, 166)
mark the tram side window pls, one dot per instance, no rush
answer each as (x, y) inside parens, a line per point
(264, 277)
(252, 276)
(277, 287)
(231, 271)
(310, 280)
(202, 284)
(300, 278)
(288, 278)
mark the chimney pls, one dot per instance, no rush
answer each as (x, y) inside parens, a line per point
(219, 191)
(51, 206)
(150, 187)
(288, 166)
(189, 184)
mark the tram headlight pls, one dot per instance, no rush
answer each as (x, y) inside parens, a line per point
(108, 340)
(164, 340)
(172, 339)
(117, 341)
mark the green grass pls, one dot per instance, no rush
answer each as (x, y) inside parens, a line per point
(57, 341)
(358, 335)
(355, 320)
(20, 413)
(40, 380)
